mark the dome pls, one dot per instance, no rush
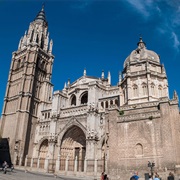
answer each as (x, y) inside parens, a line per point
(141, 53)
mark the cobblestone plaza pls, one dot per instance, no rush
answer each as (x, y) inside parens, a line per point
(22, 175)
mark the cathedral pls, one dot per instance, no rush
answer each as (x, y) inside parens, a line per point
(89, 126)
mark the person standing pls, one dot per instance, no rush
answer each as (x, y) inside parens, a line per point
(171, 176)
(135, 176)
(105, 177)
(150, 177)
(156, 177)
(102, 176)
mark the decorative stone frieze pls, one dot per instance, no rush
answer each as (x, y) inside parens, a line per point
(137, 106)
(137, 117)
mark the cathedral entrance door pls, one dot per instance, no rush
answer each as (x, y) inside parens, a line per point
(74, 147)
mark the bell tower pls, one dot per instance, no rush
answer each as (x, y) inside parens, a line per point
(28, 88)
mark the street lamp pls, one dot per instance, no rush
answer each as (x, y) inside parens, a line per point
(151, 165)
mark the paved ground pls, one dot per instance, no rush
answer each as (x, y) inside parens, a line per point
(21, 175)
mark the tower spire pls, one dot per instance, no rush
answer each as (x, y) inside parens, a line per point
(41, 16)
(141, 44)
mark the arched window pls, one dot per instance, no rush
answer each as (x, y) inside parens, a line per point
(102, 104)
(23, 60)
(139, 150)
(124, 93)
(135, 90)
(116, 102)
(42, 65)
(84, 98)
(32, 34)
(106, 104)
(37, 38)
(42, 42)
(152, 89)
(111, 102)
(160, 90)
(144, 89)
(73, 100)
(18, 63)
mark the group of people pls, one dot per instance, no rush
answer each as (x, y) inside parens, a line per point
(153, 177)
(156, 176)
(5, 166)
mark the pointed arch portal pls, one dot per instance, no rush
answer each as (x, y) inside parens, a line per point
(73, 146)
(43, 150)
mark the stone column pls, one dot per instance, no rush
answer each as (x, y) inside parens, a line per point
(20, 160)
(46, 164)
(25, 164)
(66, 165)
(15, 158)
(75, 164)
(85, 165)
(51, 142)
(58, 163)
(31, 162)
(95, 166)
(38, 161)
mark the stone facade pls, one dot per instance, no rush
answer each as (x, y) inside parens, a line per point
(90, 126)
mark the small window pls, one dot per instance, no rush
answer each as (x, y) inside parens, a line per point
(106, 104)
(18, 63)
(153, 89)
(144, 88)
(73, 100)
(139, 150)
(160, 90)
(135, 90)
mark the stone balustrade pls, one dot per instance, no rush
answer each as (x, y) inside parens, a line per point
(74, 111)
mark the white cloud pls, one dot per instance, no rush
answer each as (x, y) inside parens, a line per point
(142, 6)
(176, 41)
(81, 5)
(167, 12)
(139, 6)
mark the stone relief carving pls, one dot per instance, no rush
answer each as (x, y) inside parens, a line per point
(53, 138)
(92, 134)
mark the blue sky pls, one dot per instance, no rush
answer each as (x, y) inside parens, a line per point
(96, 35)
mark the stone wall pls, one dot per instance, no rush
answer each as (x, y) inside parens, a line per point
(133, 141)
